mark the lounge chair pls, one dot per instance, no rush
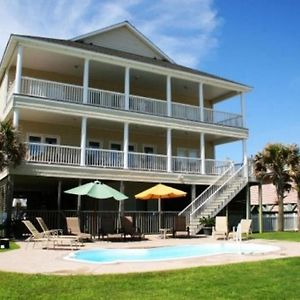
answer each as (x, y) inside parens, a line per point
(220, 230)
(107, 227)
(45, 228)
(47, 238)
(74, 229)
(245, 230)
(128, 228)
(180, 226)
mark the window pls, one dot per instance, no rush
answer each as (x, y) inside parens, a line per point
(50, 140)
(149, 149)
(35, 139)
(115, 146)
(94, 145)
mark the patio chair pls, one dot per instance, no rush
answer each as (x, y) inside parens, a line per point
(128, 228)
(45, 228)
(107, 227)
(62, 240)
(180, 226)
(220, 230)
(73, 228)
(245, 230)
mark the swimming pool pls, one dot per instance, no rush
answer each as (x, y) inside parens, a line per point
(106, 256)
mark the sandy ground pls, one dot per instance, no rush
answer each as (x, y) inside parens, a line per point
(29, 259)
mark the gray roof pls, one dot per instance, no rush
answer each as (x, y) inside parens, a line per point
(126, 55)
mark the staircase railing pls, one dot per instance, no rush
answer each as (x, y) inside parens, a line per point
(238, 177)
(207, 193)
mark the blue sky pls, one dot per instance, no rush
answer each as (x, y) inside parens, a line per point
(256, 42)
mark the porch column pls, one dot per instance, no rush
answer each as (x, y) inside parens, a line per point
(248, 204)
(86, 80)
(202, 152)
(83, 140)
(126, 144)
(201, 101)
(169, 96)
(16, 116)
(243, 108)
(193, 194)
(260, 209)
(127, 87)
(59, 195)
(245, 158)
(169, 150)
(18, 76)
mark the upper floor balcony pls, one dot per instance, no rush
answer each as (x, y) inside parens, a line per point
(58, 91)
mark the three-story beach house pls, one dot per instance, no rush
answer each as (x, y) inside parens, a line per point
(110, 105)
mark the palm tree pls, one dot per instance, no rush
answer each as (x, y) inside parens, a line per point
(295, 175)
(12, 151)
(272, 164)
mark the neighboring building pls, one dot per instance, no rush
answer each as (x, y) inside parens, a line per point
(269, 199)
(110, 105)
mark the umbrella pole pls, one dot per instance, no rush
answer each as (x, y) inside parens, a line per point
(159, 213)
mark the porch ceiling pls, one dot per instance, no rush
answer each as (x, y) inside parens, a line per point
(38, 59)
(66, 120)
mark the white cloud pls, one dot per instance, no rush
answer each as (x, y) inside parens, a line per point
(185, 30)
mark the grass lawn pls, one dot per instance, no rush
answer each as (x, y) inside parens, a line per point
(271, 279)
(12, 246)
(284, 236)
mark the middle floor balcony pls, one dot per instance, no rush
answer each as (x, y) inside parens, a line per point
(41, 153)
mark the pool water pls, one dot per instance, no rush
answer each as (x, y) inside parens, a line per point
(166, 253)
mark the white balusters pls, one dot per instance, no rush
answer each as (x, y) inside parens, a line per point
(145, 161)
(53, 154)
(74, 93)
(147, 105)
(186, 164)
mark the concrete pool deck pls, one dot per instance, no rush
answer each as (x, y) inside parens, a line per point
(40, 261)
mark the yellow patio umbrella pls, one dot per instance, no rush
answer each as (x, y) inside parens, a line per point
(160, 191)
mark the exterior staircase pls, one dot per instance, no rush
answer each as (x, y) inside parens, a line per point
(212, 200)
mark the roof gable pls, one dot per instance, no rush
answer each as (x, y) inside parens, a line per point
(124, 37)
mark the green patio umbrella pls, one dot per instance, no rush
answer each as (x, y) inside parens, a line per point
(97, 190)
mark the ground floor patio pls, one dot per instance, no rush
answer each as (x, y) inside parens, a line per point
(37, 260)
(45, 198)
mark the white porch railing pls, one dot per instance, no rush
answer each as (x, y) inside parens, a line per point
(148, 162)
(187, 112)
(106, 99)
(222, 118)
(53, 154)
(148, 105)
(74, 93)
(53, 90)
(103, 158)
(186, 164)
(216, 167)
